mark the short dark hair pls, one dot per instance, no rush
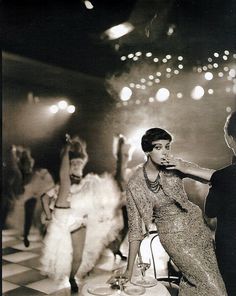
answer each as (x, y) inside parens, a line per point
(230, 125)
(154, 134)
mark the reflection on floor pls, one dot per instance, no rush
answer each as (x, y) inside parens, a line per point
(21, 268)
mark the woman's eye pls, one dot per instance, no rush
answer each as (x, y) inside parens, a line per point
(158, 148)
(167, 147)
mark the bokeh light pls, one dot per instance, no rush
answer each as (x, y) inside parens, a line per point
(197, 93)
(54, 109)
(125, 93)
(162, 94)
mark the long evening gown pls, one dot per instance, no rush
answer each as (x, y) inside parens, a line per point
(182, 231)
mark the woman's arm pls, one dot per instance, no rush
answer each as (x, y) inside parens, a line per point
(190, 169)
(45, 200)
(65, 183)
(133, 251)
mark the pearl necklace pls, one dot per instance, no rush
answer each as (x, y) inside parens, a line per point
(154, 186)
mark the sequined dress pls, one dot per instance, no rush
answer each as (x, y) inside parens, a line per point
(182, 231)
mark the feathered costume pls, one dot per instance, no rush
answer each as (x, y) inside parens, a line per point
(95, 205)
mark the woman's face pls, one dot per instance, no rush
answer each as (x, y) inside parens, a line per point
(160, 152)
(76, 166)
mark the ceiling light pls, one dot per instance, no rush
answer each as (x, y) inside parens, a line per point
(125, 93)
(197, 92)
(162, 94)
(88, 4)
(118, 31)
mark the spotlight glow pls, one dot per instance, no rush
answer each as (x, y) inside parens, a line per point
(216, 55)
(215, 65)
(162, 95)
(62, 105)
(208, 76)
(54, 109)
(226, 52)
(125, 93)
(130, 55)
(138, 53)
(123, 58)
(180, 58)
(71, 109)
(210, 91)
(197, 93)
(220, 74)
(135, 137)
(155, 60)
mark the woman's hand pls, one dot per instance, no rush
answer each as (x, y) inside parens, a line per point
(179, 164)
(125, 277)
(189, 168)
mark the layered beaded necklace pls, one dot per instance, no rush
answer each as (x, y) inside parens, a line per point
(154, 186)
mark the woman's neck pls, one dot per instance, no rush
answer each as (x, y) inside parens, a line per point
(152, 169)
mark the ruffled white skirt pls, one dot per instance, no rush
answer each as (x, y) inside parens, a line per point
(94, 204)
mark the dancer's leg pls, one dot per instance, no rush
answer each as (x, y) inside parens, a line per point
(78, 240)
(29, 214)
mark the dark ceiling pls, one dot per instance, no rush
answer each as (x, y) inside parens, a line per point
(68, 35)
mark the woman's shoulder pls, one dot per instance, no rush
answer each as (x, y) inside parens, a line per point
(137, 175)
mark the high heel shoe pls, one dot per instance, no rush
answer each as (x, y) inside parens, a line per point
(73, 285)
(123, 258)
(26, 242)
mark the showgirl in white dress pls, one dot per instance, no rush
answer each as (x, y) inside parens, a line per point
(84, 221)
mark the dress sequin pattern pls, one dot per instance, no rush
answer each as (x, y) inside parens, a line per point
(182, 231)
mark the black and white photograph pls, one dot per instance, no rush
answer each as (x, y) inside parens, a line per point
(118, 147)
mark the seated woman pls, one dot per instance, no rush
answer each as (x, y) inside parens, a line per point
(155, 192)
(83, 221)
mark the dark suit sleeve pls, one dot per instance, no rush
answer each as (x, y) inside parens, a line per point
(214, 198)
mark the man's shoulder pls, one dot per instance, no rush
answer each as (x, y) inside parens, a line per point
(224, 176)
(229, 170)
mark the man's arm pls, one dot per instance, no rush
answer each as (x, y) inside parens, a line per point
(213, 201)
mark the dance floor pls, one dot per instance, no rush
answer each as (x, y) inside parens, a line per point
(21, 268)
